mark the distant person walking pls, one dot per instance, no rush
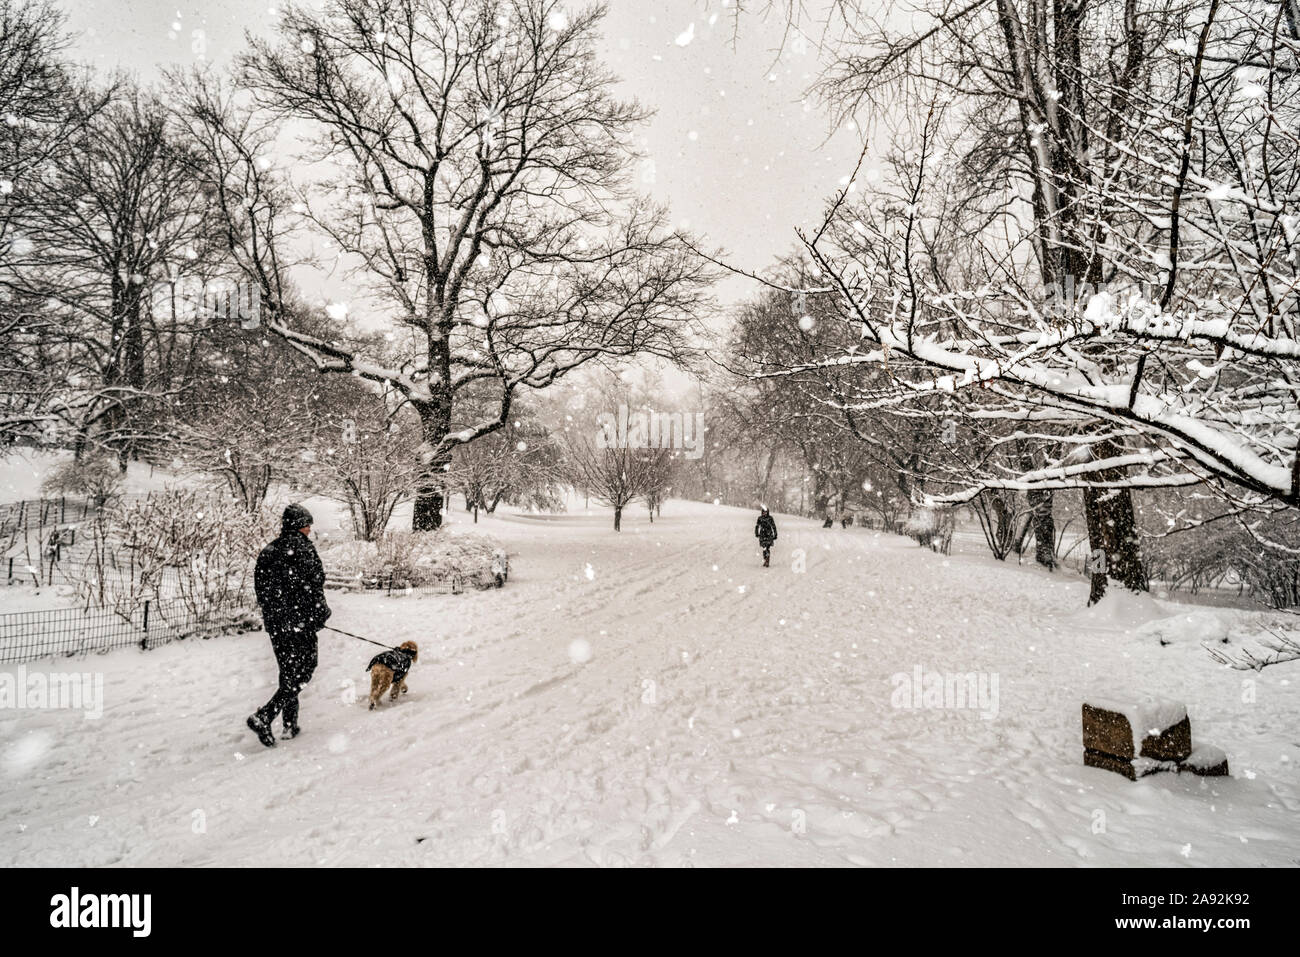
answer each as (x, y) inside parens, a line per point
(765, 531)
(289, 581)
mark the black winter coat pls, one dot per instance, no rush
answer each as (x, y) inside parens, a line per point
(289, 581)
(398, 659)
(765, 529)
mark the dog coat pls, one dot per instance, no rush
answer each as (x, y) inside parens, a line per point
(398, 659)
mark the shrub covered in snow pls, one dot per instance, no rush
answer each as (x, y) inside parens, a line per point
(932, 528)
(416, 559)
(96, 479)
(176, 543)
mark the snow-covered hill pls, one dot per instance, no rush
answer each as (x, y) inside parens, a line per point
(658, 698)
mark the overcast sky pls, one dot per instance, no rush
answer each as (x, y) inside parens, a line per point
(733, 149)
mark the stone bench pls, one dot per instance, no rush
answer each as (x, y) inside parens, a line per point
(1144, 736)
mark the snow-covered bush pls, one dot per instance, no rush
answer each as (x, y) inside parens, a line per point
(445, 557)
(931, 528)
(1272, 644)
(177, 544)
(98, 480)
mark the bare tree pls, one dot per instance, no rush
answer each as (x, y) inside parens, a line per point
(480, 192)
(657, 478)
(1118, 157)
(116, 211)
(38, 124)
(615, 474)
(251, 416)
(362, 456)
(517, 464)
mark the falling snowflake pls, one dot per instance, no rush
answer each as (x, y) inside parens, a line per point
(27, 752)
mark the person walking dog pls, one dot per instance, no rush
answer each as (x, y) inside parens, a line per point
(289, 582)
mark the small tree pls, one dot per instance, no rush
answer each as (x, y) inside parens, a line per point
(98, 480)
(615, 475)
(515, 465)
(1004, 519)
(363, 459)
(657, 476)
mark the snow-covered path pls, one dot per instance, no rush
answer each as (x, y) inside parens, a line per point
(728, 715)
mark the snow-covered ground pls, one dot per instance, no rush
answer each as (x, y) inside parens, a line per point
(657, 697)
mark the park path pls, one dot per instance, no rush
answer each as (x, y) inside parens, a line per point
(657, 697)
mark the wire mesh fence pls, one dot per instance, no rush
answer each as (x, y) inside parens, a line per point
(28, 635)
(125, 598)
(33, 514)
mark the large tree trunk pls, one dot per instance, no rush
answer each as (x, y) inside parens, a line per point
(431, 481)
(429, 499)
(618, 518)
(1112, 531)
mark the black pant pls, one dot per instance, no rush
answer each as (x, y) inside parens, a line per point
(295, 653)
(767, 551)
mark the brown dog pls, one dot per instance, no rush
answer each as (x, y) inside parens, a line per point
(388, 670)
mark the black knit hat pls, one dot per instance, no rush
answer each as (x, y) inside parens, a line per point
(295, 517)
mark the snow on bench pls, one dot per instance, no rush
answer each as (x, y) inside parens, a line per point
(1207, 761)
(1148, 727)
(1144, 735)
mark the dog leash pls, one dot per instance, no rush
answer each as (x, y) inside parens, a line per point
(340, 631)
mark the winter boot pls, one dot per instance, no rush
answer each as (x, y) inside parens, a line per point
(262, 728)
(289, 717)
